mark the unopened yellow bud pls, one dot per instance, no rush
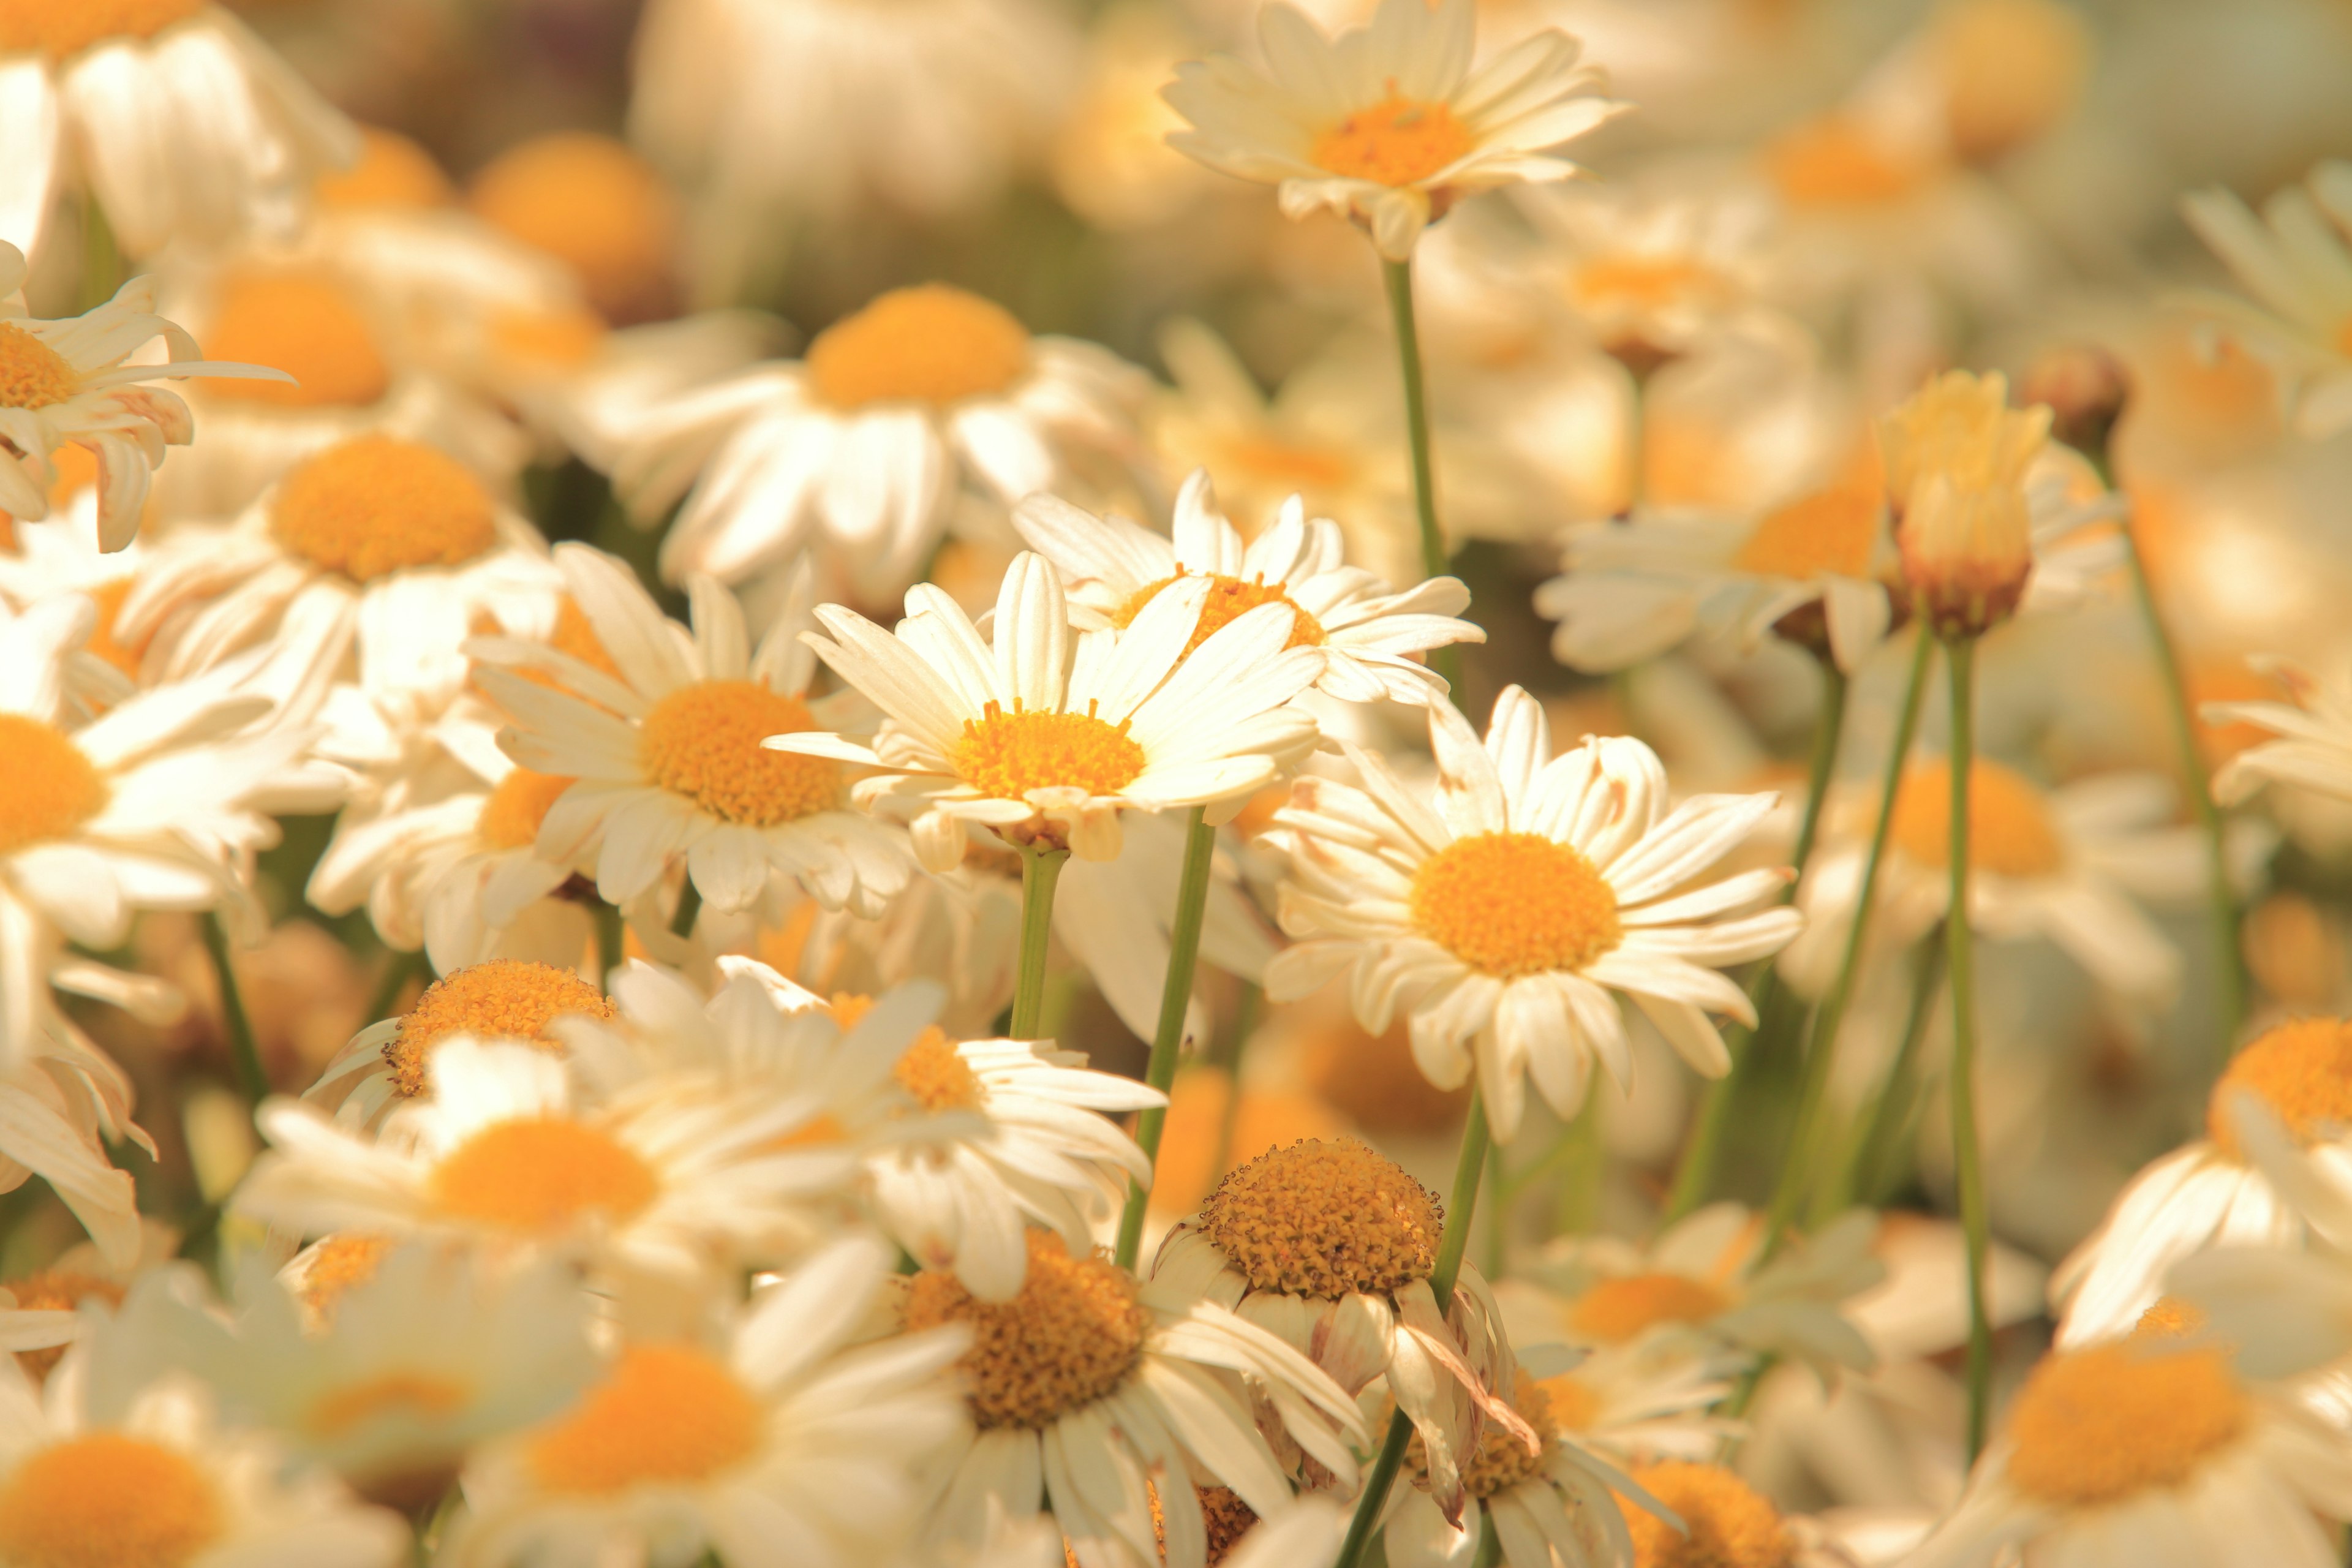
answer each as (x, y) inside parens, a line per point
(1957, 456)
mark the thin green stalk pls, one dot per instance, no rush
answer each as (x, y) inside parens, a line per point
(1864, 1177)
(398, 969)
(1975, 1223)
(250, 1078)
(1803, 1159)
(611, 943)
(689, 905)
(1040, 870)
(1498, 1214)
(1435, 560)
(1175, 998)
(2229, 961)
(1462, 1206)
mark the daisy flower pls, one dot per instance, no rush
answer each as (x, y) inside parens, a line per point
(181, 124)
(1388, 123)
(864, 448)
(597, 209)
(1046, 736)
(776, 1443)
(2307, 741)
(666, 754)
(2295, 259)
(1652, 275)
(1502, 914)
(1112, 568)
(1086, 1385)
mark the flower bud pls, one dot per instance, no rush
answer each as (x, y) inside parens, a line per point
(1957, 456)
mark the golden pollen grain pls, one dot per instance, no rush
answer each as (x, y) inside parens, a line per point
(106, 1500)
(31, 373)
(1729, 1524)
(1006, 755)
(703, 742)
(539, 1175)
(1399, 141)
(61, 27)
(1229, 598)
(512, 811)
(2302, 1069)
(1501, 1460)
(666, 1414)
(503, 999)
(2010, 829)
(2097, 1426)
(49, 788)
(934, 1074)
(377, 504)
(305, 324)
(1324, 1219)
(57, 1290)
(393, 172)
(1830, 533)
(1515, 903)
(1069, 1338)
(418, 1396)
(338, 1265)
(591, 202)
(930, 344)
(1614, 1310)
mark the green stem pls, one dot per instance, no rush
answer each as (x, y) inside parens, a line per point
(1175, 998)
(398, 969)
(2229, 962)
(689, 905)
(250, 1077)
(1975, 1222)
(1435, 560)
(1498, 1212)
(1820, 1052)
(1462, 1206)
(1040, 870)
(1865, 1175)
(611, 943)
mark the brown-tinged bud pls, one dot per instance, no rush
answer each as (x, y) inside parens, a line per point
(2085, 388)
(1956, 456)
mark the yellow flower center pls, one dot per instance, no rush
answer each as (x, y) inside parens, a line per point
(1829, 534)
(503, 999)
(417, 1395)
(1069, 1338)
(1286, 466)
(1833, 162)
(513, 812)
(1515, 903)
(57, 1290)
(936, 1074)
(1729, 1524)
(61, 27)
(1616, 1310)
(1324, 1219)
(1399, 141)
(2302, 1069)
(31, 373)
(541, 1175)
(2098, 1425)
(338, 1265)
(591, 202)
(930, 344)
(106, 1499)
(393, 172)
(668, 1414)
(1575, 1407)
(1642, 282)
(49, 788)
(1501, 1460)
(306, 325)
(1226, 1517)
(2009, 831)
(1005, 755)
(377, 504)
(703, 742)
(560, 339)
(1229, 598)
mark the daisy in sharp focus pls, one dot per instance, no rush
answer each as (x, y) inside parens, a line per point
(1388, 123)
(2295, 259)
(1043, 736)
(862, 450)
(1503, 914)
(666, 756)
(1113, 568)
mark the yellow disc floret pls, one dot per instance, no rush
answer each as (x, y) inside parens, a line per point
(1835, 161)
(1515, 903)
(513, 812)
(1229, 598)
(592, 204)
(541, 1175)
(1831, 532)
(393, 172)
(930, 345)
(2302, 1069)
(57, 1290)
(106, 1499)
(1399, 141)
(48, 787)
(1006, 755)
(1324, 1219)
(2098, 1425)
(1502, 1459)
(391, 1395)
(61, 27)
(703, 742)
(31, 373)
(1727, 1523)
(503, 999)
(1614, 1310)
(2009, 831)
(668, 1413)
(934, 1074)
(377, 504)
(305, 324)
(1227, 1518)
(1071, 1335)
(336, 1267)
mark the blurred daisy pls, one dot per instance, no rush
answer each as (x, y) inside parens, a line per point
(1502, 914)
(1652, 275)
(2308, 743)
(863, 448)
(666, 755)
(2295, 259)
(1113, 568)
(1388, 123)
(1086, 1385)
(596, 208)
(1045, 735)
(781, 1442)
(181, 124)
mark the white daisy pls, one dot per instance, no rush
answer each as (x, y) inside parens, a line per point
(1502, 914)
(2311, 737)
(1653, 274)
(1388, 123)
(1043, 736)
(594, 208)
(2296, 261)
(667, 756)
(862, 450)
(1113, 568)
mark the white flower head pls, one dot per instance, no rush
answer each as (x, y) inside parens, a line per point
(2295, 259)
